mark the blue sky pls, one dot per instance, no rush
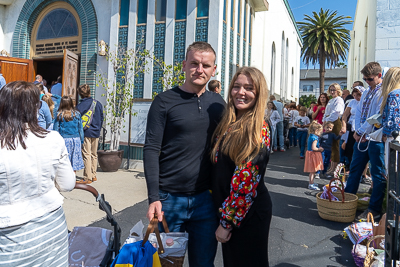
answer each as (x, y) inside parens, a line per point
(301, 7)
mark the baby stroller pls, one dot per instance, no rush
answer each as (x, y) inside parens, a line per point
(286, 132)
(88, 245)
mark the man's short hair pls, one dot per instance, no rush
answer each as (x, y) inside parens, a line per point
(59, 79)
(272, 98)
(39, 77)
(213, 85)
(84, 91)
(372, 68)
(359, 83)
(202, 47)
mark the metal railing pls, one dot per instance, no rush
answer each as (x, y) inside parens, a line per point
(392, 246)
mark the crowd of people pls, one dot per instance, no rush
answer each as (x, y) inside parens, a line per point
(352, 128)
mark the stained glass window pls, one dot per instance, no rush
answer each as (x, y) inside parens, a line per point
(57, 23)
(202, 8)
(224, 16)
(142, 12)
(124, 13)
(161, 9)
(181, 9)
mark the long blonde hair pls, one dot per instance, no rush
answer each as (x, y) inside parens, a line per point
(390, 82)
(242, 136)
(337, 87)
(50, 103)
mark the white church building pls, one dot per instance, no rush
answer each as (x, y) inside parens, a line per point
(50, 37)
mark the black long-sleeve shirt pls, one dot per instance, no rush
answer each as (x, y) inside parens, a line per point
(176, 153)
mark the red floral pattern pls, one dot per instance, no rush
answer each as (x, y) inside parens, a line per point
(243, 186)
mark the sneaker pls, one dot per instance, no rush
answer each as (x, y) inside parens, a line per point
(317, 176)
(275, 149)
(313, 187)
(282, 150)
(363, 216)
(272, 152)
(84, 182)
(366, 180)
(301, 157)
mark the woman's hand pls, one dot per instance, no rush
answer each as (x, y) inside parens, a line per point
(343, 130)
(223, 235)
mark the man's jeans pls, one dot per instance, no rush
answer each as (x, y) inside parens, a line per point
(326, 158)
(302, 136)
(375, 154)
(279, 132)
(293, 136)
(196, 215)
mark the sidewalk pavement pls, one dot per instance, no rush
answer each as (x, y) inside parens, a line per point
(122, 189)
(298, 236)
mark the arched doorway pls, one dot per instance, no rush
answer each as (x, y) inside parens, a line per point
(84, 13)
(57, 28)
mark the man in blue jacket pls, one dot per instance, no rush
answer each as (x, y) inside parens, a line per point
(91, 132)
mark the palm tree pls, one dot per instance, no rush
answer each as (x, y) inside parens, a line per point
(325, 40)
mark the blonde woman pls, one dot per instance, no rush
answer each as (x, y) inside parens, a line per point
(333, 111)
(390, 107)
(240, 156)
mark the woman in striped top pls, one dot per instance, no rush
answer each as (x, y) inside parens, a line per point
(34, 163)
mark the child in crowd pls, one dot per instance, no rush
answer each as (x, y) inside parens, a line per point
(47, 98)
(272, 114)
(313, 162)
(326, 143)
(302, 122)
(69, 124)
(293, 113)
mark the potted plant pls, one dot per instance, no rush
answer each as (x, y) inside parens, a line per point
(126, 64)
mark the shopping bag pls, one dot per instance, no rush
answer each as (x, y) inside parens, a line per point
(138, 254)
(379, 230)
(171, 245)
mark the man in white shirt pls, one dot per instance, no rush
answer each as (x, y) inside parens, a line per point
(279, 125)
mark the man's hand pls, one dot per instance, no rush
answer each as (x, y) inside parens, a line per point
(344, 146)
(155, 208)
(343, 130)
(223, 235)
(356, 137)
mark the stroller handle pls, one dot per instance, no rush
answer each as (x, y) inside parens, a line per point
(88, 188)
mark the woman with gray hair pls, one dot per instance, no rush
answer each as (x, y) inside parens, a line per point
(333, 112)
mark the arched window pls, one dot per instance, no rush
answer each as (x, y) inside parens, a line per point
(202, 8)
(292, 82)
(273, 62)
(161, 9)
(287, 68)
(58, 23)
(142, 12)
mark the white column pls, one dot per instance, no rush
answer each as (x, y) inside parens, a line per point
(2, 23)
(113, 45)
(150, 30)
(132, 24)
(247, 37)
(215, 16)
(191, 22)
(242, 25)
(169, 33)
(228, 42)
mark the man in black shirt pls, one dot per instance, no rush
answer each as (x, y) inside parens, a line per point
(176, 155)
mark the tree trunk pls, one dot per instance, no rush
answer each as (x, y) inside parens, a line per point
(322, 59)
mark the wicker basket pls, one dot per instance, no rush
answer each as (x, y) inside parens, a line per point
(343, 210)
(369, 259)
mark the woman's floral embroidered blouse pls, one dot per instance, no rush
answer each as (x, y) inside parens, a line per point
(244, 182)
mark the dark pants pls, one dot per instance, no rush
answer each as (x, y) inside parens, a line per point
(302, 137)
(326, 158)
(293, 136)
(195, 215)
(374, 154)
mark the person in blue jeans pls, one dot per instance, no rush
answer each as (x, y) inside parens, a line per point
(326, 143)
(302, 122)
(365, 148)
(293, 113)
(176, 155)
(279, 125)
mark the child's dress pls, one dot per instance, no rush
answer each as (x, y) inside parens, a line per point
(72, 132)
(313, 162)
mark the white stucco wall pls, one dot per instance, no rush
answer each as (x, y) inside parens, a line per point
(267, 31)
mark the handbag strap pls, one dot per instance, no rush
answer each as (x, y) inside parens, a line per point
(153, 228)
(330, 189)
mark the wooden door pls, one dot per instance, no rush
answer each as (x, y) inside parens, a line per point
(70, 75)
(17, 69)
